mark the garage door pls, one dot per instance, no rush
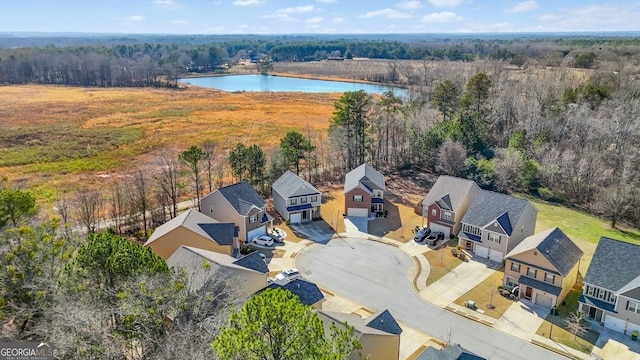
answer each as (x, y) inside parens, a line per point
(614, 323)
(543, 300)
(295, 218)
(482, 251)
(357, 212)
(495, 255)
(437, 227)
(256, 232)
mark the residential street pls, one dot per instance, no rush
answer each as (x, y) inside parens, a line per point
(375, 275)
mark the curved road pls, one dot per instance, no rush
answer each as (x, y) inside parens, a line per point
(375, 275)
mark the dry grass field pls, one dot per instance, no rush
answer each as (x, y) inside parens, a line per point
(96, 131)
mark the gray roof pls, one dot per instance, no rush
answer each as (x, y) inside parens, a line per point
(488, 206)
(555, 246)
(364, 176)
(614, 265)
(253, 261)
(289, 183)
(242, 197)
(373, 324)
(455, 352)
(191, 220)
(451, 190)
(308, 293)
(222, 233)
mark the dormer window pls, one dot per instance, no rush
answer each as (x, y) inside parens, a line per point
(253, 218)
(446, 215)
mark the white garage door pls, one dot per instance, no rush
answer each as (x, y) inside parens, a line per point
(543, 300)
(495, 255)
(482, 251)
(437, 227)
(256, 232)
(614, 323)
(357, 212)
(295, 218)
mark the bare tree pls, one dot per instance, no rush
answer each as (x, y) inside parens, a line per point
(575, 324)
(209, 148)
(451, 158)
(117, 207)
(89, 205)
(62, 208)
(167, 179)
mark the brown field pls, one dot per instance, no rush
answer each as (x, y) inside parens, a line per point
(167, 119)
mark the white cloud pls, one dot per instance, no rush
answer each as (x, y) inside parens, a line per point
(135, 18)
(314, 20)
(388, 13)
(409, 4)
(445, 3)
(163, 2)
(524, 6)
(217, 2)
(338, 20)
(328, 1)
(178, 22)
(296, 10)
(596, 17)
(441, 17)
(247, 2)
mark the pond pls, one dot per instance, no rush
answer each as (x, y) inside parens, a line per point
(233, 83)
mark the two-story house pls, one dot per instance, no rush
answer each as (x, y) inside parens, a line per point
(447, 202)
(544, 267)
(241, 205)
(295, 199)
(495, 223)
(611, 293)
(364, 190)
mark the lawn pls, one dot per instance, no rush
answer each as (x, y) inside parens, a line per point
(481, 294)
(441, 262)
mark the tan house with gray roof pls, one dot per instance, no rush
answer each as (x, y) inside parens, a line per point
(447, 202)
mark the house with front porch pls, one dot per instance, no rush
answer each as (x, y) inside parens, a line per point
(495, 223)
(447, 202)
(544, 267)
(611, 293)
(364, 189)
(240, 204)
(295, 199)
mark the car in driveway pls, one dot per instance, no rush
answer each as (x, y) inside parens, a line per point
(264, 240)
(434, 237)
(422, 234)
(289, 274)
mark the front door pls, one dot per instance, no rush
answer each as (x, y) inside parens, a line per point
(469, 245)
(592, 312)
(527, 293)
(305, 215)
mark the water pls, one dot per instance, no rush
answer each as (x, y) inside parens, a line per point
(234, 83)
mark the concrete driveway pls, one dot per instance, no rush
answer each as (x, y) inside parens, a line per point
(356, 224)
(522, 319)
(375, 275)
(311, 231)
(614, 345)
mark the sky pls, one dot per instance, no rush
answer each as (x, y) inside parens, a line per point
(317, 16)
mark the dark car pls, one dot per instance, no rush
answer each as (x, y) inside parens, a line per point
(422, 234)
(434, 237)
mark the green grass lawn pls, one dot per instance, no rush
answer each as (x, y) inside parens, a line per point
(577, 224)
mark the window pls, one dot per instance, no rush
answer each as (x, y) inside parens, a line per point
(434, 212)
(253, 218)
(550, 278)
(532, 272)
(293, 201)
(357, 198)
(494, 237)
(633, 306)
(377, 193)
(314, 198)
(303, 200)
(511, 282)
(446, 215)
(515, 267)
(590, 290)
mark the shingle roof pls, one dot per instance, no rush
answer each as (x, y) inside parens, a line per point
(614, 264)
(191, 220)
(308, 293)
(222, 233)
(366, 176)
(361, 325)
(555, 246)
(455, 352)
(540, 285)
(253, 261)
(597, 303)
(451, 191)
(488, 206)
(289, 183)
(385, 322)
(242, 197)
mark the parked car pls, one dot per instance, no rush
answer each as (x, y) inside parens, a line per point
(264, 240)
(277, 235)
(434, 237)
(422, 234)
(289, 274)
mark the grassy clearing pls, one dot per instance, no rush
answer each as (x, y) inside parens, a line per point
(481, 294)
(441, 262)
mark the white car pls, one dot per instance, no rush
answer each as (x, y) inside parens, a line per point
(289, 274)
(264, 240)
